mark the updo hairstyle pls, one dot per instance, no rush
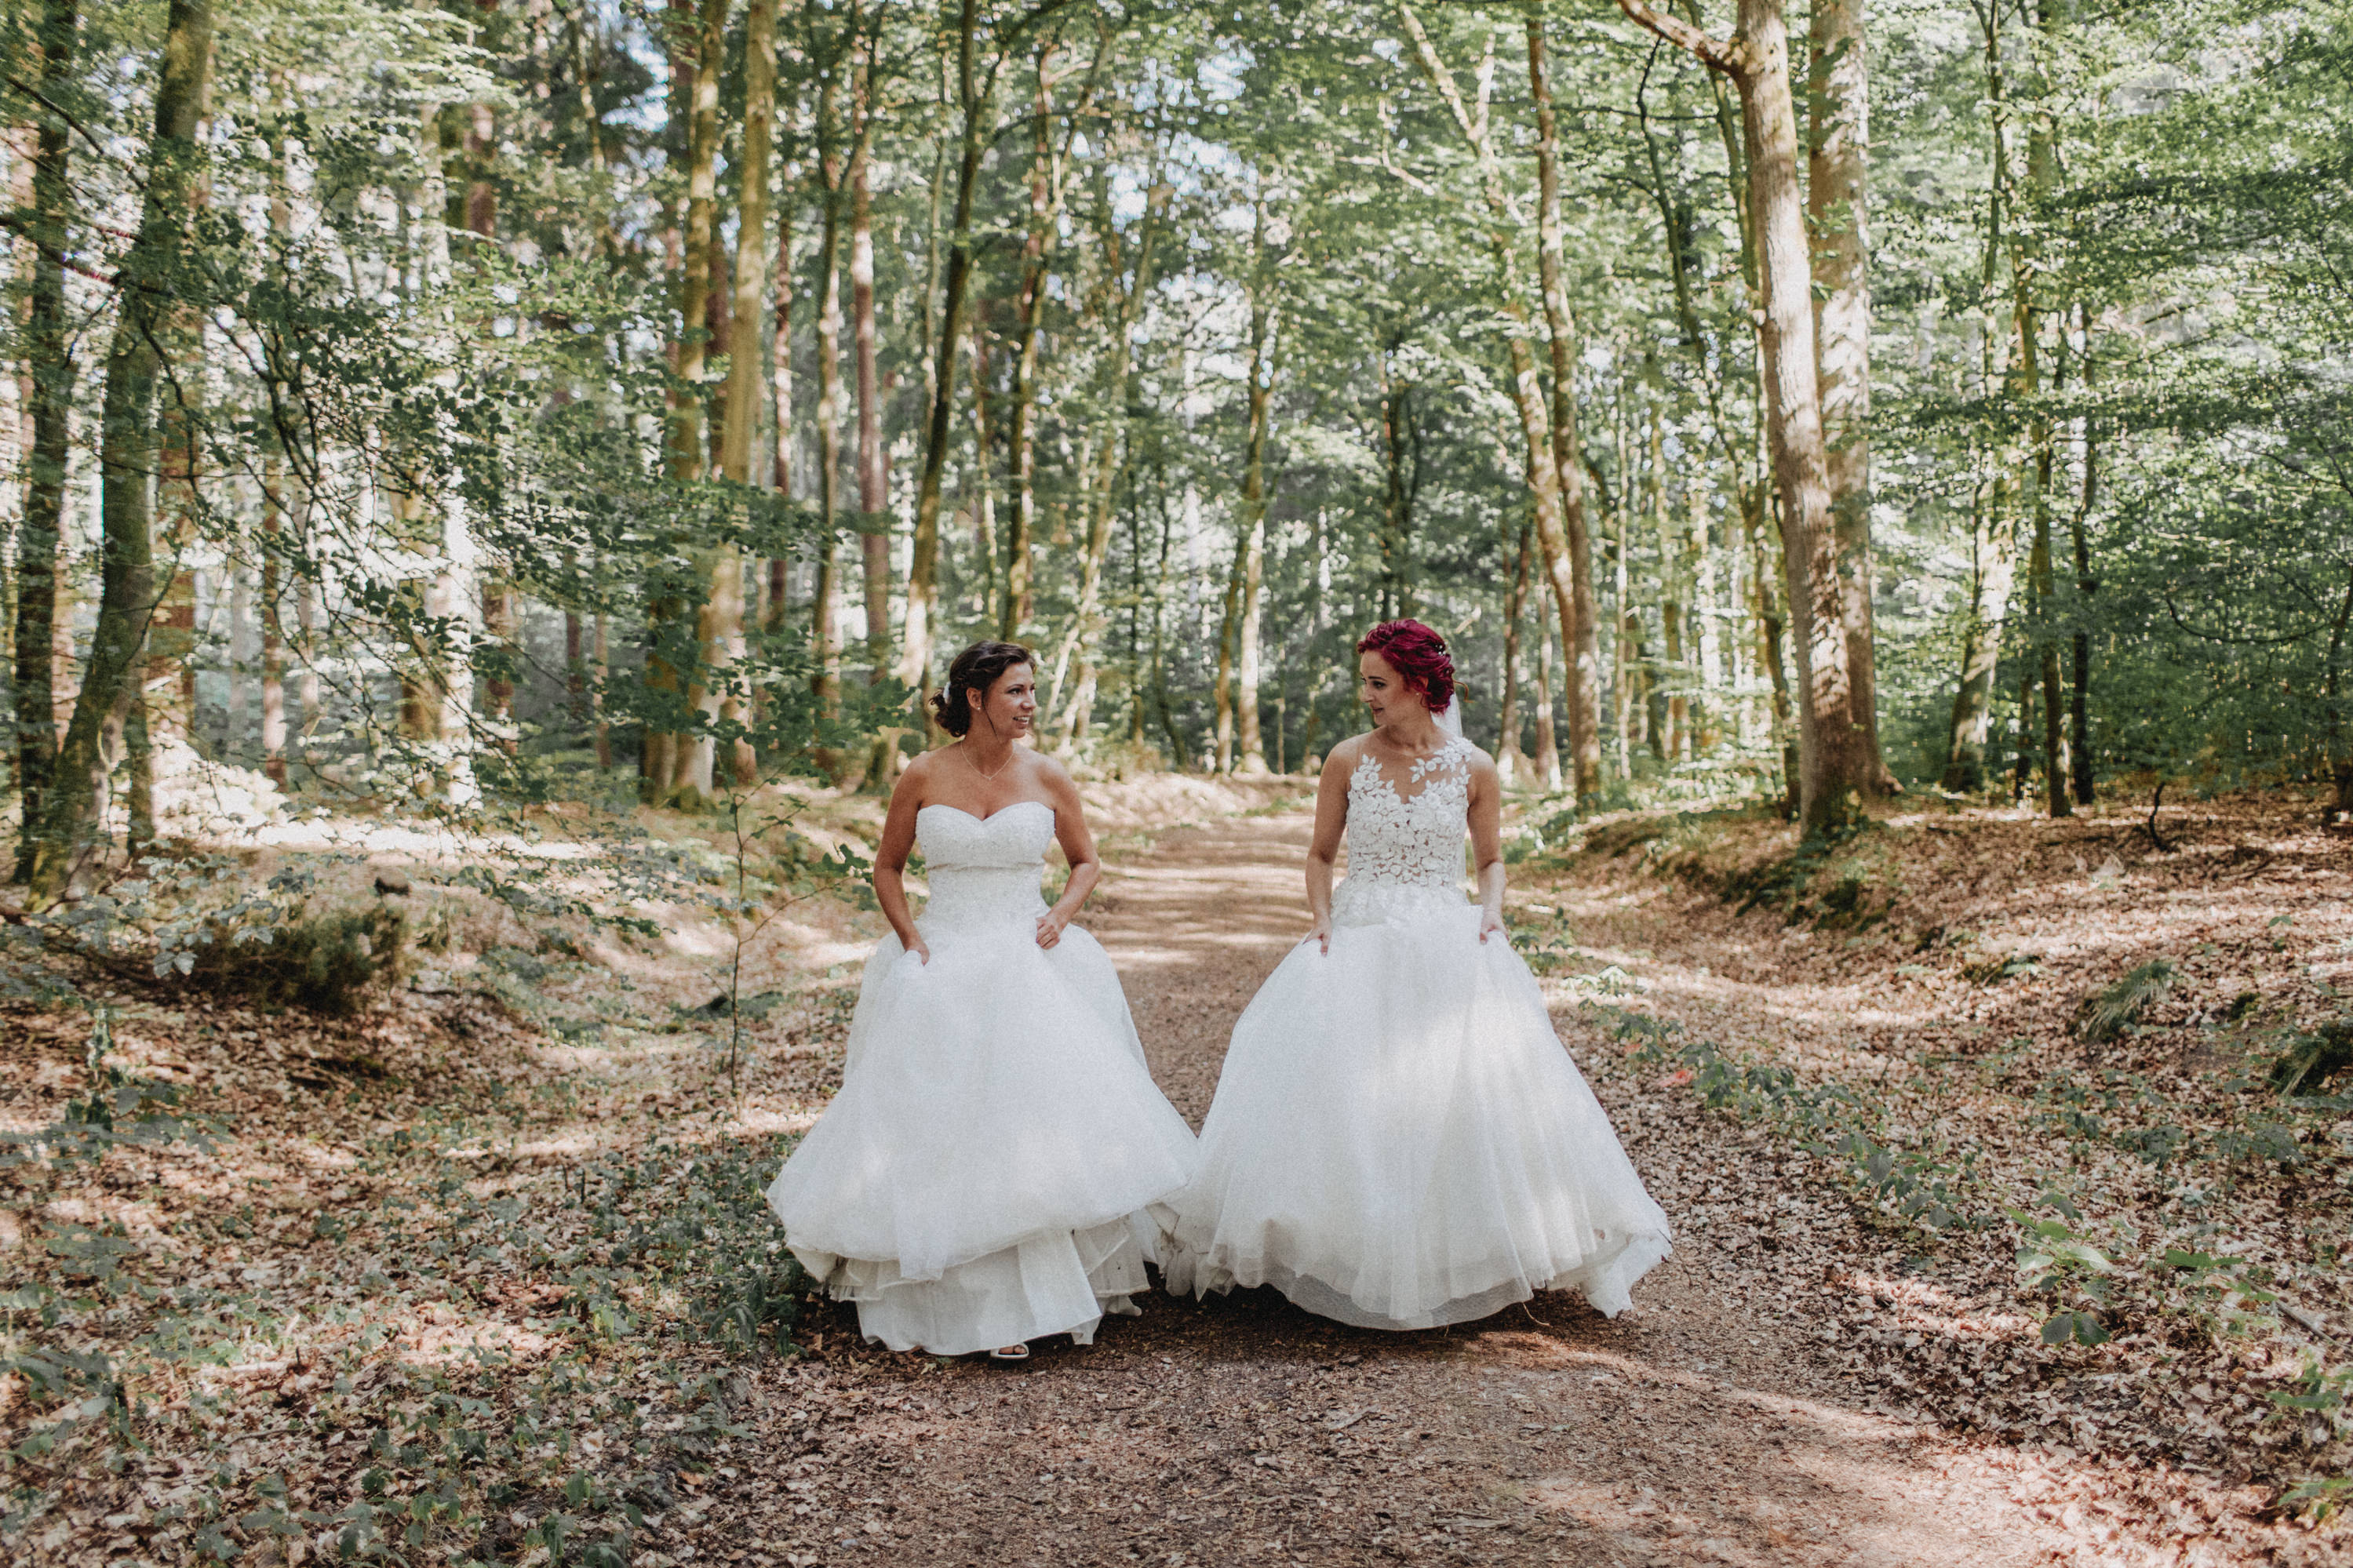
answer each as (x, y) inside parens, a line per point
(1418, 656)
(978, 665)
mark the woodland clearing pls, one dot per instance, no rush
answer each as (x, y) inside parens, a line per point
(455, 1280)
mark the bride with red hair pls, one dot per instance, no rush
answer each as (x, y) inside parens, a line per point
(1399, 1140)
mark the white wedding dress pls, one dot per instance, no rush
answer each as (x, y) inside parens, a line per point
(1398, 1139)
(981, 1178)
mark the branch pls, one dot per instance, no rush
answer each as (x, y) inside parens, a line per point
(1716, 55)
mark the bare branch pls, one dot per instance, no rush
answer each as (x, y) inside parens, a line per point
(1712, 52)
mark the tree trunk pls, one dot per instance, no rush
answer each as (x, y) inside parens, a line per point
(1085, 636)
(48, 356)
(873, 476)
(923, 570)
(1833, 772)
(1015, 602)
(720, 627)
(1839, 107)
(74, 811)
(1584, 645)
(670, 758)
(2079, 695)
(1396, 519)
(1542, 468)
(1511, 761)
(1995, 566)
(1547, 758)
(833, 175)
(1266, 308)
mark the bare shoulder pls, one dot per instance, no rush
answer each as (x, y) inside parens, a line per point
(1054, 779)
(916, 779)
(1481, 764)
(1342, 759)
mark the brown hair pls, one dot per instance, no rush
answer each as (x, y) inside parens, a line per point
(980, 665)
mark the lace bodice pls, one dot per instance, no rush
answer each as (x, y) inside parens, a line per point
(987, 868)
(1405, 850)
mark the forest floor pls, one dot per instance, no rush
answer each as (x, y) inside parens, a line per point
(410, 1297)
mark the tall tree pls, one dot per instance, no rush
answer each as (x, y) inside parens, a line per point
(1543, 466)
(1834, 771)
(1582, 631)
(1838, 101)
(154, 272)
(49, 352)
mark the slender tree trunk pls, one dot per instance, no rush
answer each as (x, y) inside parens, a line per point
(1833, 769)
(1087, 625)
(1542, 468)
(74, 811)
(1839, 148)
(48, 356)
(1266, 309)
(1547, 758)
(922, 571)
(2079, 695)
(780, 391)
(1583, 647)
(699, 49)
(1396, 517)
(1014, 607)
(720, 623)
(832, 171)
(873, 476)
(1511, 761)
(1995, 548)
(1225, 676)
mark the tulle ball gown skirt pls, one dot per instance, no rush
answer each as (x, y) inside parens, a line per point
(982, 1176)
(1400, 1140)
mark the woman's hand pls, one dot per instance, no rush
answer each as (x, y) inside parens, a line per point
(923, 954)
(1049, 928)
(1320, 934)
(1490, 923)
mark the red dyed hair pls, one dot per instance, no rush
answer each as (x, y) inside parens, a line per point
(1418, 656)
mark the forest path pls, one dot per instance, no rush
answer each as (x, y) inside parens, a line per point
(1704, 1426)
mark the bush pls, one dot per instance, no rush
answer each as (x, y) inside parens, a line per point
(325, 963)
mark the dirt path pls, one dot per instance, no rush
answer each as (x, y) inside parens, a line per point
(1704, 1426)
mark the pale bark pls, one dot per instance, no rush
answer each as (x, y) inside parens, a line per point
(1512, 764)
(923, 570)
(1834, 769)
(873, 475)
(1994, 548)
(1547, 757)
(832, 177)
(719, 631)
(1838, 154)
(1583, 632)
(1266, 308)
(74, 812)
(669, 758)
(1505, 224)
(1085, 633)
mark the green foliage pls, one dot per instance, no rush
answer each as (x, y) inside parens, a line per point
(327, 962)
(2116, 1007)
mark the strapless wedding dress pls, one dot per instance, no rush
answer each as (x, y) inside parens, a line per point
(981, 1178)
(1398, 1139)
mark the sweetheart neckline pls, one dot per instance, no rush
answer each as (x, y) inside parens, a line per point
(984, 821)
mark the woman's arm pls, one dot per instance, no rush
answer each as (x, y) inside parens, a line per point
(891, 856)
(1486, 816)
(1078, 848)
(1324, 852)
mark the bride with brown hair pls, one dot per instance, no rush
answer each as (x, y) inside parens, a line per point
(980, 1180)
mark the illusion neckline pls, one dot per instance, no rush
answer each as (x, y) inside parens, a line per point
(992, 817)
(1420, 769)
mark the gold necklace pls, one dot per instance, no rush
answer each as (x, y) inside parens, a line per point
(1000, 767)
